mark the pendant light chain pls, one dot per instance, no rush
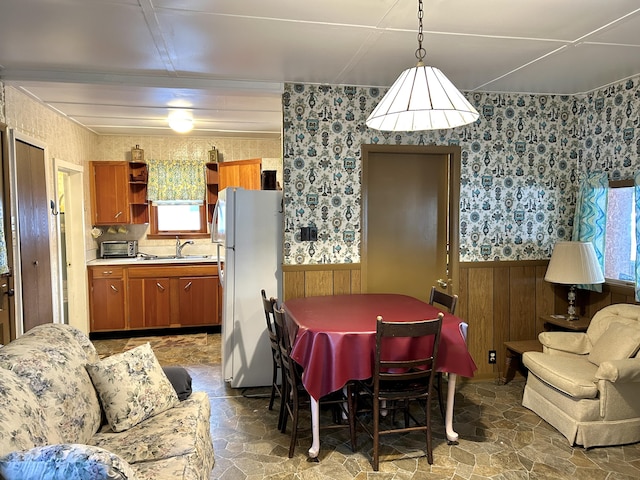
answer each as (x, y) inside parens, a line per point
(421, 98)
(420, 52)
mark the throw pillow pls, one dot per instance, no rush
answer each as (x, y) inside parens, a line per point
(181, 381)
(65, 462)
(132, 387)
(618, 341)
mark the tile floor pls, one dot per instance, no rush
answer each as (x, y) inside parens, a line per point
(499, 439)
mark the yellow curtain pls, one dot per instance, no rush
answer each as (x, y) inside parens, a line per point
(176, 180)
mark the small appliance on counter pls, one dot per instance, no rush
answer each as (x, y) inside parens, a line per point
(119, 249)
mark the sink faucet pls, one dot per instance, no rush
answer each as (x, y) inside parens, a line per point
(180, 246)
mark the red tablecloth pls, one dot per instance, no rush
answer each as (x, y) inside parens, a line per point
(334, 337)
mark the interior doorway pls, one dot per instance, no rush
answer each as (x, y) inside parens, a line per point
(410, 198)
(68, 208)
(35, 291)
(7, 309)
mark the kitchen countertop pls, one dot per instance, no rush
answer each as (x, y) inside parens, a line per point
(162, 260)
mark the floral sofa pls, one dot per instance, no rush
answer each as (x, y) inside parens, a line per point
(66, 414)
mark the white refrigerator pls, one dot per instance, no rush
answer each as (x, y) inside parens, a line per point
(247, 228)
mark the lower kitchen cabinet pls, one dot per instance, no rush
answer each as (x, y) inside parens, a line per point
(198, 300)
(135, 297)
(107, 293)
(149, 302)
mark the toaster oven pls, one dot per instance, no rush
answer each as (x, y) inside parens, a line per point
(119, 249)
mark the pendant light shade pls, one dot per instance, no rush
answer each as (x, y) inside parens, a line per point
(422, 98)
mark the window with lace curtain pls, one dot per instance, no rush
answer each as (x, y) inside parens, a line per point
(620, 237)
(176, 191)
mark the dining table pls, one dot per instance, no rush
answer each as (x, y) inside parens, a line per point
(334, 340)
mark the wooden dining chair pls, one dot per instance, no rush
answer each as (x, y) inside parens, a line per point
(401, 383)
(437, 297)
(276, 387)
(295, 395)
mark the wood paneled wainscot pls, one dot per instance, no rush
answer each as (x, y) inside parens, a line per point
(154, 296)
(501, 301)
(324, 279)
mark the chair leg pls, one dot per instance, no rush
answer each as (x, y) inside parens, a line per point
(294, 427)
(440, 398)
(376, 433)
(283, 410)
(351, 408)
(285, 407)
(274, 380)
(428, 430)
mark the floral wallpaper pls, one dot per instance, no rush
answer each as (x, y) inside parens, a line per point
(521, 164)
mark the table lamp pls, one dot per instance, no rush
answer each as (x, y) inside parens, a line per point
(573, 263)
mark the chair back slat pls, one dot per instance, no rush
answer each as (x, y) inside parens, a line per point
(413, 366)
(288, 364)
(444, 299)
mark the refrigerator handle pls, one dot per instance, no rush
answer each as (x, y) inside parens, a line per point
(214, 223)
(220, 269)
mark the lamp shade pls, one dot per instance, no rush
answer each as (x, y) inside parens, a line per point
(574, 263)
(422, 98)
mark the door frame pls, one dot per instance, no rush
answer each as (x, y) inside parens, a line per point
(76, 252)
(15, 136)
(454, 154)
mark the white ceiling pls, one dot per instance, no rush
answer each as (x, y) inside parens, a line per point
(118, 66)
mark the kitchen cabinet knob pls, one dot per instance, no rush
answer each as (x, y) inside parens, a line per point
(160, 286)
(114, 288)
(187, 286)
(117, 214)
(107, 272)
(35, 262)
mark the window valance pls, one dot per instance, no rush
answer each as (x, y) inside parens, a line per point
(176, 180)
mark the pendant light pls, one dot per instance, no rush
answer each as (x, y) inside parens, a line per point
(422, 98)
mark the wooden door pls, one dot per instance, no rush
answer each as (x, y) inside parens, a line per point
(410, 222)
(33, 215)
(109, 193)
(198, 300)
(7, 307)
(240, 173)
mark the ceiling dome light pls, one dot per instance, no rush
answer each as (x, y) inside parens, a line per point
(181, 121)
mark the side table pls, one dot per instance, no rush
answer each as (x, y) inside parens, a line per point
(560, 322)
(514, 350)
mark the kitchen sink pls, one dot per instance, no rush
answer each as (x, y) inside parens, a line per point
(173, 257)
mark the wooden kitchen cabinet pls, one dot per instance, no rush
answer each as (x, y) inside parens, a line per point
(119, 193)
(137, 297)
(212, 180)
(107, 294)
(198, 300)
(240, 173)
(149, 302)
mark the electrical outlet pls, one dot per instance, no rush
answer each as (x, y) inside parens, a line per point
(492, 356)
(309, 234)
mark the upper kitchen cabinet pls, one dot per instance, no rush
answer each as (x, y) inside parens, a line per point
(240, 173)
(212, 180)
(119, 193)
